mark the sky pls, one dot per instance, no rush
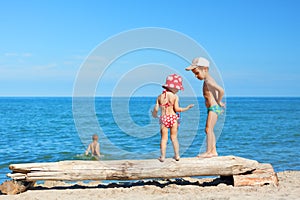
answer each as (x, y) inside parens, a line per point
(44, 44)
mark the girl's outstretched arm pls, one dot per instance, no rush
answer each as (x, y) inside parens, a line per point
(177, 108)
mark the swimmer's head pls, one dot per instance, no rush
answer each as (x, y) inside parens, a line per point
(95, 137)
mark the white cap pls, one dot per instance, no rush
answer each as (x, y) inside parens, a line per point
(198, 62)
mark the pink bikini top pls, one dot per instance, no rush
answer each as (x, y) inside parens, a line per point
(168, 103)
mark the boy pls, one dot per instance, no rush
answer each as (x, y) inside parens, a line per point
(94, 147)
(213, 95)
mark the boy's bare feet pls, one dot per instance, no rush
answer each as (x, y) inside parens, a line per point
(161, 159)
(207, 155)
(203, 155)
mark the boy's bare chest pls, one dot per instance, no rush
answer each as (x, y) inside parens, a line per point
(206, 92)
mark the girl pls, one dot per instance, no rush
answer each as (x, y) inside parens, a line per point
(168, 102)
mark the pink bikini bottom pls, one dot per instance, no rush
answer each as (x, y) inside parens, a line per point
(169, 120)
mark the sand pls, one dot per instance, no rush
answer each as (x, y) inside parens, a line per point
(181, 189)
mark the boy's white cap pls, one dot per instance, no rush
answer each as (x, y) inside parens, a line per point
(198, 62)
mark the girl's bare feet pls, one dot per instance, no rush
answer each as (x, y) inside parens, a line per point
(176, 158)
(161, 159)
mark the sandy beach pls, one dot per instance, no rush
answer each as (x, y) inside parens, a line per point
(187, 188)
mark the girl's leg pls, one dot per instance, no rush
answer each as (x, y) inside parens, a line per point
(163, 142)
(174, 140)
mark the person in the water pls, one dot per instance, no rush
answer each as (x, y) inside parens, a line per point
(94, 147)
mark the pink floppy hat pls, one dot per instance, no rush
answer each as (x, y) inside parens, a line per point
(174, 81)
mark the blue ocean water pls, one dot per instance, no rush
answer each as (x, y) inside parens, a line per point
(46, 129)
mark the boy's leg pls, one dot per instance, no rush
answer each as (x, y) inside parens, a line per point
(163, 142)
(174, 140)
(211, 150)
(212, 118)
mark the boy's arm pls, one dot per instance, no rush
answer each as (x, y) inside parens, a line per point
(179, 109)
(154, 112)
(213, 85)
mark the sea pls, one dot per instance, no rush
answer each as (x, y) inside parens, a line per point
(50, 129)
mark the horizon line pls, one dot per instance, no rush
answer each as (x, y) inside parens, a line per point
(67, 96)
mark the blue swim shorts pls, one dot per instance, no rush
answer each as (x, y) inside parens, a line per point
(216, 109)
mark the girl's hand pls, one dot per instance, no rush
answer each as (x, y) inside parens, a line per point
(154, 114)
(190, 106)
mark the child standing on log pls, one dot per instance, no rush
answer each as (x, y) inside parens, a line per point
(94, 147)
(168, 102)
(213, 94)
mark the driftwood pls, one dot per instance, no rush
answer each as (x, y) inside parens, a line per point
(263, 175)
(131, 169)
(15, 187)
(240, 169)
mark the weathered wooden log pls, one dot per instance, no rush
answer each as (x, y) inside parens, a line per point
(243, 172)
(263, 175)
(15, 187)
(133, 169)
